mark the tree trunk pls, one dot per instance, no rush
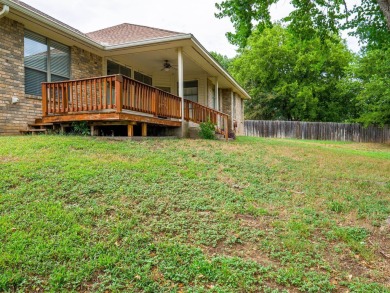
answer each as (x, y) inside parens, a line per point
(385, 7)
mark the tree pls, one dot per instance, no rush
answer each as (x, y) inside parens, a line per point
(310, 18)
(373, 76)
(223, 60)
(293, 79)
(384, 5)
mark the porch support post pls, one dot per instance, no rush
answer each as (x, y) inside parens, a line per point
(181, 86)
(231, 110)
(216, 90)
(216, 94)
(144, 129)
(130, 130)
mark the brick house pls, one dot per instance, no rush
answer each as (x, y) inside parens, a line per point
(132, 78)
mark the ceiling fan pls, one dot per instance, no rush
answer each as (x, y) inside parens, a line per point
(167, 66)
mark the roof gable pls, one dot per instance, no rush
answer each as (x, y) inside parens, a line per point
(126, 33)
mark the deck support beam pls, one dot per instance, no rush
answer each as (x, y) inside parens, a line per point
(130, 130)
(92, 130)
(144, 129)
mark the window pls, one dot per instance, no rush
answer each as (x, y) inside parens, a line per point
(191, 90)
(44, 60)
(143, 78)
(164, 88)
(115, 68)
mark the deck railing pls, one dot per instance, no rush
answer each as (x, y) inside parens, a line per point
(118, 93)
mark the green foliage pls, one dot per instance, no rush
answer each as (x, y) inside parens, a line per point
(308, 19)
(373, 99)
(223, 60)
(306, 73)
(292, 79)
(82, 214)
(368, 23)
(81, 128)
(207, 130)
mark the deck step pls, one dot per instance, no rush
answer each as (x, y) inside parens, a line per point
(38, 120)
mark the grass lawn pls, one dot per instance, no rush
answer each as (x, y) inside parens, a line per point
(254, 215)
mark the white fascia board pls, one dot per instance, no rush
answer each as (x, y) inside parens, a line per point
(149, 42)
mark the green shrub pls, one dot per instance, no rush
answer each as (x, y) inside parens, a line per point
(207, 130)
(81, 128)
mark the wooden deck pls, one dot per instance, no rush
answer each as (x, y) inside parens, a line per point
(122, 100)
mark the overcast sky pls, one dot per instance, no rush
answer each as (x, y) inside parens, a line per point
(187, 16)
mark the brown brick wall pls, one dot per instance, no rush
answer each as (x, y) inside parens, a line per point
(226, 98)
(227, 107)
(14, 117)
(239, 115)
(85, 64)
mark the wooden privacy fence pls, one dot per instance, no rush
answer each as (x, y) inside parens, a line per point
(317, 131)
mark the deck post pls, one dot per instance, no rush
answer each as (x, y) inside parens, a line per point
(144, 129)
(64, 98)
(226, 128)
(181, 86)
(130, 130)
(44, 100)
(118, 93)
(92, 130)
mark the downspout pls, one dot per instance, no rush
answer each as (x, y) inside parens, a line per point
(4, 11)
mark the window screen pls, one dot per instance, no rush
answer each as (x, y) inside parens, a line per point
(44, 60)
(115, 68)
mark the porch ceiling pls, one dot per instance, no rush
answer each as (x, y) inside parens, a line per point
(151, 62)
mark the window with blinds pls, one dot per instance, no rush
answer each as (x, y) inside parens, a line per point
(115, 68)
(143, 78)
(44, 60)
